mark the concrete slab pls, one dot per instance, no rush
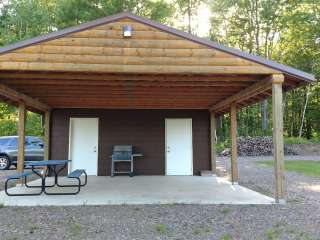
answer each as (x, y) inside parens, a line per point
(145, 190)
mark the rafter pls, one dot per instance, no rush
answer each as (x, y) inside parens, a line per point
(249, 92)
(11, 94)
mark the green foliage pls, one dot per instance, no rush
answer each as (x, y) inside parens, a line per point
(295, 140)
(305, 167)
(273, 233)
(75, 228)
(22, 19)
(188, 9)
(161, 228)
(9, 122)
(226, 237)
(73, 12)
(225, 210)
(286, 31)
(222, 145)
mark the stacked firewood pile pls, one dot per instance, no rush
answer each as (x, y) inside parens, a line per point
(255, 146)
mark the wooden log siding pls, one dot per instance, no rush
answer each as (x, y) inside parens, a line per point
(77, 82)
(130, 60)
(130, 77)
(118, 34)
(112, 51)
(119, 68)
(149, 50)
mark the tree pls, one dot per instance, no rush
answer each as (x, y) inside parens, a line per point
(22, 19)
(299, 47)
(286, 31)
(252, 26)
(188, 9)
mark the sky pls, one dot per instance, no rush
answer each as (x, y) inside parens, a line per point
(203, 21)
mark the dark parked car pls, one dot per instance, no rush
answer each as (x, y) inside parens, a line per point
(9, 150)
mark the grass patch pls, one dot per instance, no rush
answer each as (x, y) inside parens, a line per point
(161, 228)
(1, 205)
(33, 228)
(305, 167)
(75, 228)
(201, 230)
(226, 237)
(222, 145)
(297, 140)
(273, 234)
(225, 210)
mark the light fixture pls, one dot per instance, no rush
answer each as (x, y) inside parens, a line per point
(127, 31)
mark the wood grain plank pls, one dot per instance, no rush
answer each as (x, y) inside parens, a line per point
(40, 66)
(89, 59)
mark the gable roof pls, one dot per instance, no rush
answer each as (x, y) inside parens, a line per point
(58, 34)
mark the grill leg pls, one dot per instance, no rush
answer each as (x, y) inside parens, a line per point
(131, 172)
(112, 168)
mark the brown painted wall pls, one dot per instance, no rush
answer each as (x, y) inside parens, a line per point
(144, 129)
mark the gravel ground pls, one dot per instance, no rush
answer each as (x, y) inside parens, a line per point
(298, 219)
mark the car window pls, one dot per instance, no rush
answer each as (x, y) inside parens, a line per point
(35, 141)
(4, 141)
(13, 142)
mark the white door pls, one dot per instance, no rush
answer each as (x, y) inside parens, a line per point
(179, 147)
(83, 144)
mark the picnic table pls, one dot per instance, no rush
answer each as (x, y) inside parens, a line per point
(52, 166)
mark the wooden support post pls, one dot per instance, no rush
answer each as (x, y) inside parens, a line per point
(277, 116)
(234, 153)
(21, 137)
(46, 139)
(46, 135)
(213, 142)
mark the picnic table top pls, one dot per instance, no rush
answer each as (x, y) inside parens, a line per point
(47, 163)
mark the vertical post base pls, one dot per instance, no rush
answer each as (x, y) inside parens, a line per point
(234, 149)
(213, 143)
(280, 201)
(278, 145)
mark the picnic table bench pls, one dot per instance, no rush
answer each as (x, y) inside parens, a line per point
(23, 176)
